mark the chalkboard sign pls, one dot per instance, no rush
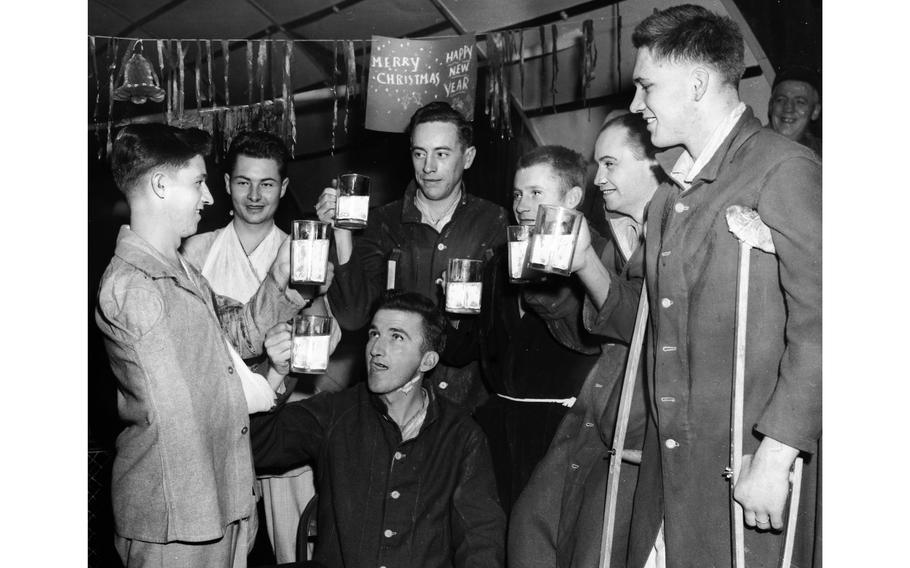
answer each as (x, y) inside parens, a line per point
(406, 74)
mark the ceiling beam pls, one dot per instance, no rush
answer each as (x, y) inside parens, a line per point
(156, 13)
(322, 56)
(115, 10)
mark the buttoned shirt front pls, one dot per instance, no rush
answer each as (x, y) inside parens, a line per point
(691, 263)
(429, 501)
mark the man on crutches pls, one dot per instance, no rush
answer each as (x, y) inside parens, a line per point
(687, 71)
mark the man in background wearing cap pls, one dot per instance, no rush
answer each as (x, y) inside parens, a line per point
(795, 104)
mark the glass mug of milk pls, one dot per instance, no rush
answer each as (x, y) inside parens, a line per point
(352, 203)
(553, 241)
(310, 348)
(464, 286)
(519, 237)
(309, 252)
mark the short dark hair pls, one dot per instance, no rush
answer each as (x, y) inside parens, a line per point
(138, 148)
(639, 140)
(258, 144)
(695, 34)
(570, 167)
(441, 111)
(637, 134)
(434, 321)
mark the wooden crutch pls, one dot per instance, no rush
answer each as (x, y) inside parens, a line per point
(622, 423)
(747, 226)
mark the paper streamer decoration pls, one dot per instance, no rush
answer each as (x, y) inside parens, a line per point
(208, 63)
(497, 101)
(112, 71)
(555, 58)
(260, 68)
(249, 72)
(181, 54)
(334, 91)
(197, 73)
(290, 115)
(226, 53)
(618, 30)
(96, 112)
(406, 74)
(350, 61)
(588, 59)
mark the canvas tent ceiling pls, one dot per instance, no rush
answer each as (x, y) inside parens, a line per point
(322, 21)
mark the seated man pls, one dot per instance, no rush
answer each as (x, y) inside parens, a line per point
(183, 474)
(404, 476)
(558, 519)
(795, 104)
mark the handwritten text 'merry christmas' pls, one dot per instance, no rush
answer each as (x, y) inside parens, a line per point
(402, 71)
(459, 64)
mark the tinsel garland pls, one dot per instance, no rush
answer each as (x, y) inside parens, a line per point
(588, 60)
(274, 110)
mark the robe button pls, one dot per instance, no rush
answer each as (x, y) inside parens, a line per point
(680, 208)
(671, 443)
(666, 302)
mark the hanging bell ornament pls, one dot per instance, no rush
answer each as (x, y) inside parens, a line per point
(138, 82)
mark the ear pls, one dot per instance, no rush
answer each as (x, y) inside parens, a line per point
(469, 154)
(158, 181)
(701, 78)
(227, 183)
(284, 187)
(574, 196)
(816, 112)
(428, 361)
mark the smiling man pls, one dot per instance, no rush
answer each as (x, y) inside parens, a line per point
(182, 485)
(558, 518)
(407, 243)
(795, 104)
(534, 352)
(688, 65)
(404, 475)
(235, 259)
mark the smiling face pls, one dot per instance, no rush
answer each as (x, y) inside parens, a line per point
(663, 96)
(539, 185)
(626, 181)
(394, 350)
(794, 104)
(255, 187)
(186, 194)
(439, 159)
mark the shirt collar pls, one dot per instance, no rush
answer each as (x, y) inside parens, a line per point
(622, 227)
(136, 251)
(432, 408)
(686, 168)
(409, 211)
